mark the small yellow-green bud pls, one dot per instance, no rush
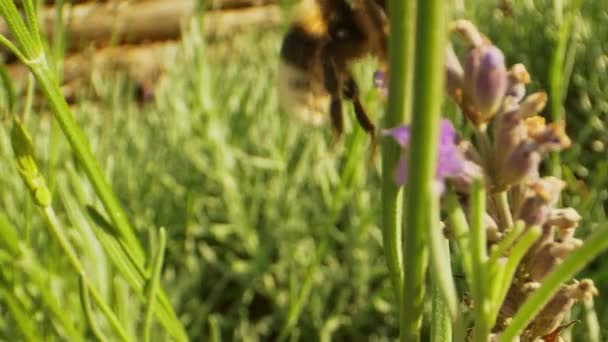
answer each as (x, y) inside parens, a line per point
(27, 167)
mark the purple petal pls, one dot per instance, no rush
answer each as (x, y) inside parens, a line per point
(451, 161)
(380, 79)
(401, 134)
(448, 134)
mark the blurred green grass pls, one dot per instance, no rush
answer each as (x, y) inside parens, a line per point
(267, 220)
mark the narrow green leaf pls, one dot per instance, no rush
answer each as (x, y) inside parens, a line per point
(153, 284)
(85, 302)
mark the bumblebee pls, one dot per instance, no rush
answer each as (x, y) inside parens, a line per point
(324, 39)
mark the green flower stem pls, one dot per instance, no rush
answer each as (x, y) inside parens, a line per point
(82, 150)
(460, 228)
(593, 246)
(502, 248)
(503, 210)
(57, 231)
(441, 327)
(479, 258)
(499, 199)
(506, 272)
(431, 35)
(399, 107)
(441, 267)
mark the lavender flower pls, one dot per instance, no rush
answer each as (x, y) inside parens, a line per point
(451, 163)
(381, 82)
(485, 82)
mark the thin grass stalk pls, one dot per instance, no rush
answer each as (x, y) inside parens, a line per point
(431, 38)
(85, 302)
(90, 165)
(558, 71)
(33, 56)
(346, 179)
(58, 54)
(401, 59)
(153, 284)
(23, 319)
(58, 232)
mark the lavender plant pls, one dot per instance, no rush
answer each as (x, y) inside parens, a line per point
(517, 246)
(119, 241)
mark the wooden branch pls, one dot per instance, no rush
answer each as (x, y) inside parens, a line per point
(210, 4)
(144, 63)
(126, 22)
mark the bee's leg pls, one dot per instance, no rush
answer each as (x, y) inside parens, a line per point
(332, 85)
(351, 91)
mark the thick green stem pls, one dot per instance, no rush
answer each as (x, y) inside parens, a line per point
(441, 327)
(503, 210)
(428, 84)
(399, 107)
(479, 257)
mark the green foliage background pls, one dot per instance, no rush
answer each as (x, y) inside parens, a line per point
(271, 225)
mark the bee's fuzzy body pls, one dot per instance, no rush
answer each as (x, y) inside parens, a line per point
(325, 37)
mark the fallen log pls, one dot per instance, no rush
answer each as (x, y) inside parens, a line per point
(209, 4)
(145, 63)
(130, 22)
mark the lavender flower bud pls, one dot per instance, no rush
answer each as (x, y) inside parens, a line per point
(564, 218)
(541, 263)
(534, 211)
(520, 164)
(469, 33)
(549, 188)
(547, 257)
(552, 138)
(509, 131)
(541, 196)
(463, 181)
(561, 249)
(553, 313)
(485, 80)
(454, 75)
(518, 79)
(533, 104)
